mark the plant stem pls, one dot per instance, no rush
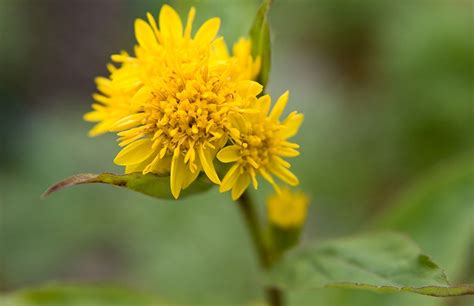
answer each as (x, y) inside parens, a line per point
(274, 295)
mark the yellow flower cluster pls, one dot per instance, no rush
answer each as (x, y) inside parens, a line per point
(182, 99)
(258, 143)
(288, 209)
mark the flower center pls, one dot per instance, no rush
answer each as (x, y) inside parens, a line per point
(189, 107)
(257, 145)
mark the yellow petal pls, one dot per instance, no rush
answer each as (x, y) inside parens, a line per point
(128, 84)
(240, 185)
(257, 65)
(208, 31)
(290, 145)
(238, 121)
(156, 164)
(163, 166)
(145, 36)
(170, 23)
(178, 171)
(142, 96)
(140, 166)
(189, 23)
(190, 155)
(264, 104)
(150, 165)
(288, 152)
(252, 162)
(229, 154)
(128, 122)
(190, 177)
(206, 159)
(280, 161)
(269, 179)
(292, 124)
(103, 84)
(253, 176)
(242, 47)
(153, 25)
(222, 141)
(249, 88)
(101, 98)
(230, 178)
(284, 174)
(134, 153)
(266, 176)
(93, 116)
(220, 49)
(126, 140)
(279, 106)
(100, 128)
(134, 168)
(111, 68)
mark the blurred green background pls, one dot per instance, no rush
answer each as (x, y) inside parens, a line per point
(387, 92)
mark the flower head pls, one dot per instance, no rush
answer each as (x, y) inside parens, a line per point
(287, 209)
(260, 142)
(171, 102)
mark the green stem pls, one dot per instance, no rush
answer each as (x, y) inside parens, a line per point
(274, 295)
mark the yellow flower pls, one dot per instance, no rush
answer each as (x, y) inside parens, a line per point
(170, 103)
(287, 209)
(260, 142)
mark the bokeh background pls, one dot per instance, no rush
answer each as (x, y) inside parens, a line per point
(387, 92)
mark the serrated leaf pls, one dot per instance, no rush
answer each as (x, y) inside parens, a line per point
(150, 184)
(261, 44)
(382, 262)
(79, 295)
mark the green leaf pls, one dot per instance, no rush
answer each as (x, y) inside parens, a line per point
(437, 212)
(79, 295)
(261, 45)
(149, 184)
(381, 262)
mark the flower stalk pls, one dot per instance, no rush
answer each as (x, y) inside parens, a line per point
(264, 251)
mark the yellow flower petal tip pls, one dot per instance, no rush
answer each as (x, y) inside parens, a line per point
(170, 101)
(280, 106)
(208, 31)
(288, 209)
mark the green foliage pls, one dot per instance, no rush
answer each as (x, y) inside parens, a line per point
(428, 61)
(261, 46)
(149, 184)
(382, 262)
(429, 71)
(79, 295)
(437, 212)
